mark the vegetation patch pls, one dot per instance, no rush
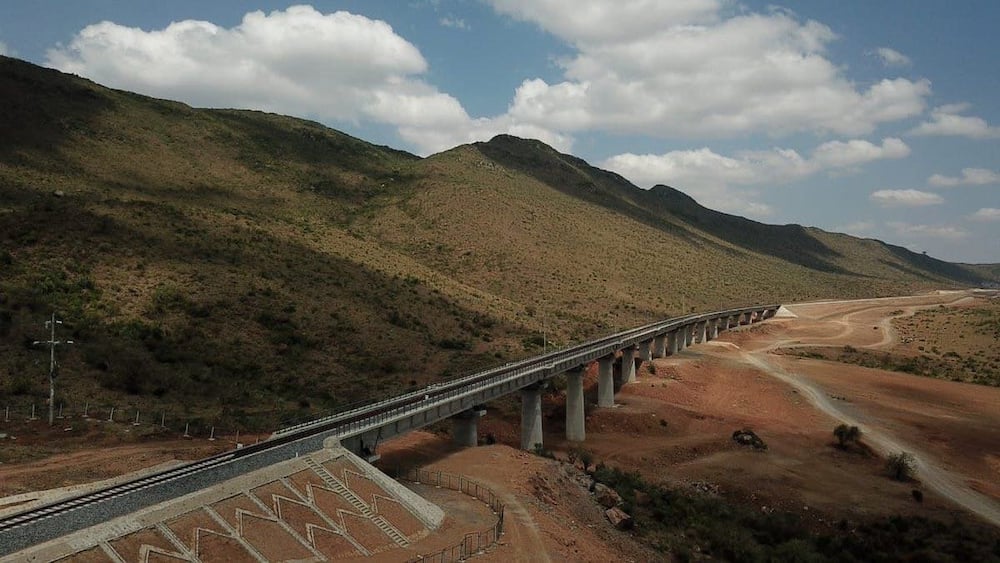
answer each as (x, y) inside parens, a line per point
(700, 526)
(981, 368)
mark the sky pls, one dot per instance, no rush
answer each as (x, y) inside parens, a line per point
(878, 119)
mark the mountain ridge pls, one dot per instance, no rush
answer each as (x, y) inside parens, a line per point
(248, 266)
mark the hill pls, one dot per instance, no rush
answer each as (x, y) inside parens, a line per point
(243, 266)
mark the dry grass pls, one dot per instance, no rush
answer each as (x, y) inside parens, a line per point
(249, 267)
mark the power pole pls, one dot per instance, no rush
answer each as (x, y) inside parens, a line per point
(52, 343)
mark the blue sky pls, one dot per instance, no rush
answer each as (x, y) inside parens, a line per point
(878, 119)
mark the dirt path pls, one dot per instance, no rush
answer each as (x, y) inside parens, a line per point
(928, 469)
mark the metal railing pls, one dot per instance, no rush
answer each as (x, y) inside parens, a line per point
(473, 542)
(545, 365)
(297, 439)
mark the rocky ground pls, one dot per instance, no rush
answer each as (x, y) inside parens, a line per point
(675, 426)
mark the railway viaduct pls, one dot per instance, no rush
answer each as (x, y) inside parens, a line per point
(361, 429)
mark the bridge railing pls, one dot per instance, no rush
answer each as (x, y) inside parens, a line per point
(544, 365)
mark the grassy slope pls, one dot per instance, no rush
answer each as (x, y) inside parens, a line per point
(266, 264)
(202, 257)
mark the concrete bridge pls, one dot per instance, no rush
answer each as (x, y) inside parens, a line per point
(363, 428)
(463, 399)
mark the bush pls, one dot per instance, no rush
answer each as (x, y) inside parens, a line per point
(847, 434)
(899, 466)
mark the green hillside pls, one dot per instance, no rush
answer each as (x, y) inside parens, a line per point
(248, 267)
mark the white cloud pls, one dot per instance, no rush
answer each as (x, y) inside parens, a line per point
(911, 231)
(838, 154)
(294, 61)
(338, 66)
(711, 177)
(905, 198)
(892, 57)
(946, 121)
(3, 49)
(970, 177)
(453, 22)
(682, 69)
(602, 22)
(986, 214)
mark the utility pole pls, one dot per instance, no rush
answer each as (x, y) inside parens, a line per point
(52, 343)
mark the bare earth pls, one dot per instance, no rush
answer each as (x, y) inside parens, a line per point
(674, 426)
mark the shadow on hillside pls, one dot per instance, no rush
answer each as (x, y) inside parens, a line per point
(792, 243)
(41, 108)
(226, 316)
(937, 267)
(662, 208)
(573, 176)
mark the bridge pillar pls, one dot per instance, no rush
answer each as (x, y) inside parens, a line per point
(628, 365)
(645, 351)
(713, 329)
(660, 346)
(673, 342)
(575, 425)
(465, 430)
(531, 416)
(702, 330)
(605, 382)
(760, 314)
(745, 318)
(688, 332)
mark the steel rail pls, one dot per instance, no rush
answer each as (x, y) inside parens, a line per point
(366, 417)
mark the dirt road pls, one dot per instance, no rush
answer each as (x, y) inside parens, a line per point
(877, 434)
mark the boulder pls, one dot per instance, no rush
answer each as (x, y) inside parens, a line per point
(606, 496)
(619, 518)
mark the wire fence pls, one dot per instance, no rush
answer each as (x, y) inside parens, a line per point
(22, 415)
(473, 542)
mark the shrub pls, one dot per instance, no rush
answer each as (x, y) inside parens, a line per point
(899, 466)
(847, 434)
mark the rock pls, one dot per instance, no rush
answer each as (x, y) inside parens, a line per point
(619, 518)
(59, 193)
(606, 496)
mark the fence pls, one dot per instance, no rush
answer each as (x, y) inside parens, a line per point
(32, 416)
(473, 542)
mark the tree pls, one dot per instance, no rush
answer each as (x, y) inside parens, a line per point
(847, 434)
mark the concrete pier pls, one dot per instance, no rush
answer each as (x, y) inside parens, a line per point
(628, 365)
(645, 351)
(703, 332)
(688, 335)
(465, 428)
(660, 346)
(713, 329)
(575, 425)
(605, 382)
(531, 417)
(673, 342)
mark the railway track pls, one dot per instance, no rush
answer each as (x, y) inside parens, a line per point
(21, 530)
